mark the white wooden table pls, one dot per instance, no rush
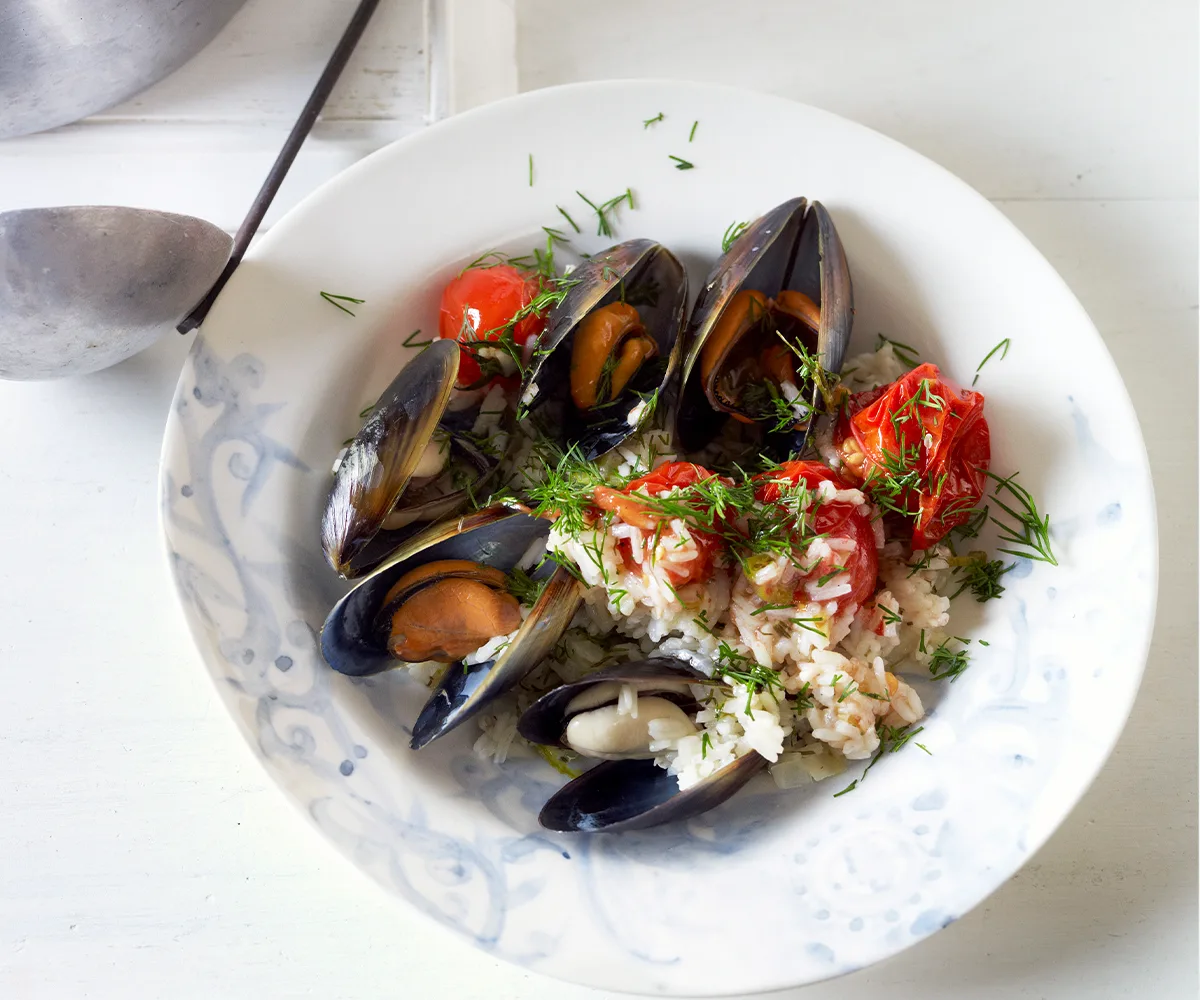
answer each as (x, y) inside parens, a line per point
(144, 854)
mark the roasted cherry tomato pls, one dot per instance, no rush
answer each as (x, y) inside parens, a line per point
(834, 520)
(671, 475)
(632, 511)
(921, 446)
(479, 305)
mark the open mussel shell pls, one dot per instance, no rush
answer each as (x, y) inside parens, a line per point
(547, 719)
(618, 795)
(354, 639)
(627, 790)
(373, 504)
(793, 248)
(618, 328)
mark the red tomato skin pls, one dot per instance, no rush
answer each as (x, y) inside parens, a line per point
(953, 467)
(665, 477)
(838, 519)
(670, 474)
(813, 474)
(480, 303)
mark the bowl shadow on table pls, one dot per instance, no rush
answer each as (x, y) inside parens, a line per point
(148, 378)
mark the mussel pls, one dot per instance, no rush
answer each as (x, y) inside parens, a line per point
(441, 596)
(410, 464)
(777, 301)
(610, 348)
(595, 717)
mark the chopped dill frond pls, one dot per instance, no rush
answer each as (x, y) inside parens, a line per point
(732, 232)
(603, 210)
(337, 300)
(907, 355)
(525, 588)
(1030, 530)
(809, 624)
(740, 669)
(1004, 345)
(889, 616)
(945, 662)
(567, 487)
(824, 579)
(567, 215)
(980, 575)
(892, 739)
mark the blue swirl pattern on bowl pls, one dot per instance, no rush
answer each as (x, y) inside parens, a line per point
(871, 868)
(826, 884)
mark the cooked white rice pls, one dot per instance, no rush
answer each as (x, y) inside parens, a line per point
(840, 662)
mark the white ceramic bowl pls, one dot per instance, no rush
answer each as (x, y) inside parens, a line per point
(821, 885)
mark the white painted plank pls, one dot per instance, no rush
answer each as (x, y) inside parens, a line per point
(201, 141)
(263, 63)
(1022, 99)
(208, 170)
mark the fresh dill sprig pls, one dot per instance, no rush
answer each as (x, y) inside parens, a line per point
(337, 300)
(889, 616)
(489, 364)
(892, 739)
(762, 609)
(566, 490)
(692, 133)
(740, 669)
(945, 662)
(830, 575)
(701, 619)
(1030, 528)
(809, 624)
(567, 215)
(567, 563)
(603, 210)
(680, 162)
(652, 121)
(980, 575)
(524, 587)
(803, 701)
(409, 342)
(555, 237)
(810, 369)
(488, 259)
(763, 401)
(907, 355)
(705, 744)
(531, 170)
(1003, 345)
(974, 523)
(732, 232)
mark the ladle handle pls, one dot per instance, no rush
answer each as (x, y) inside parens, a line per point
(283, 162)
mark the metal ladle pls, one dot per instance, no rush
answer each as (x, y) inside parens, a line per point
(84, 287)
